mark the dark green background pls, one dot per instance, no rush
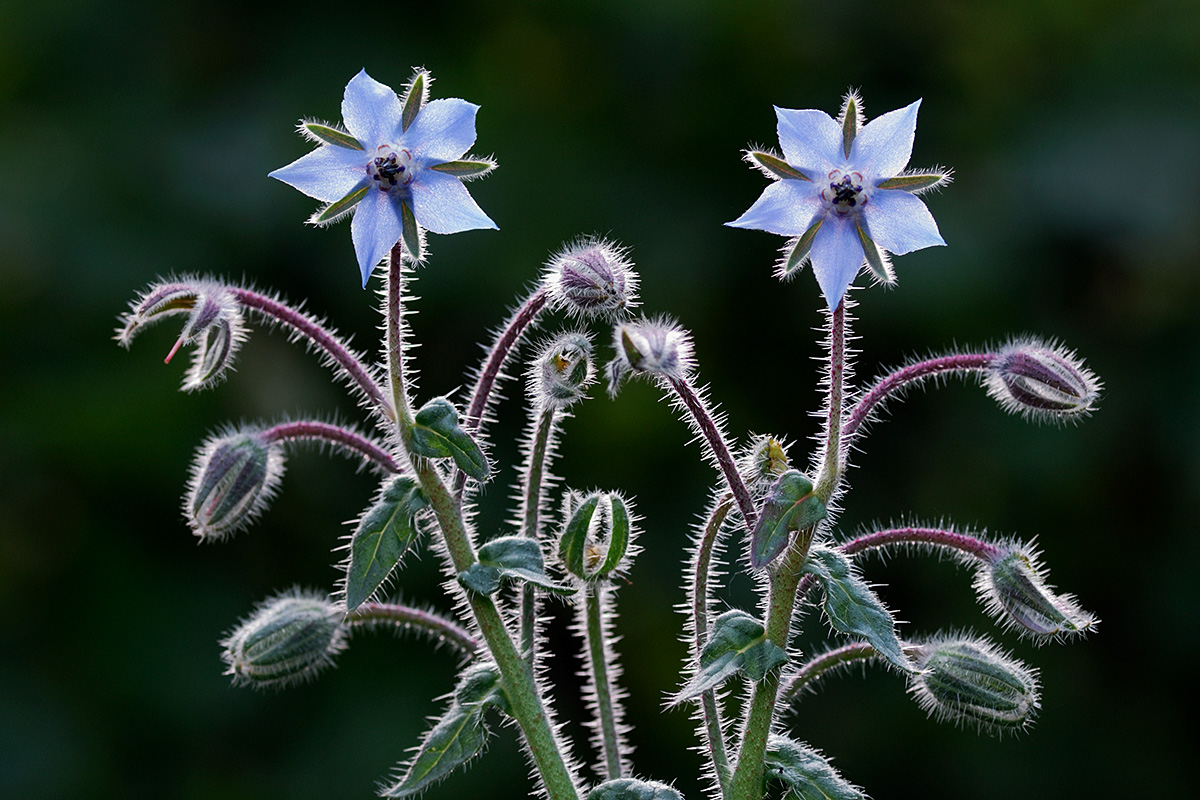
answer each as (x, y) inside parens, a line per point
(135, 141)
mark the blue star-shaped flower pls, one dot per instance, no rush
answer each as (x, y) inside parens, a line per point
(397, 166)
(842, 192)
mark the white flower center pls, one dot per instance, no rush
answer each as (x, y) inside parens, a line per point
(391, 168)
(845, 192)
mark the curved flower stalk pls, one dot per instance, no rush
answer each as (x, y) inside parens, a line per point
(842, 192)
(398, 166)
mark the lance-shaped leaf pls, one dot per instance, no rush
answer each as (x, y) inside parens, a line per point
(790, 506)
(436, 434)
(852, 608)
(580, 545)
(806, 773)
(383, 535)
(633, 789)
(513, 557)
(738, 643)
(458, 736)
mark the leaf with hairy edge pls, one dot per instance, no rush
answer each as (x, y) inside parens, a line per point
(738, 643)
(852, 608)
(806, 773)
(513, 557)
(789, 506)
(383, 535)
(458, 736)
(633, 789)
(436, 434)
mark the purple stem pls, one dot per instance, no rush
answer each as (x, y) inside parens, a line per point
(826, 661)
(959, 362)
(314, 332)
(935, 536)
(335, 435)
(716, 443)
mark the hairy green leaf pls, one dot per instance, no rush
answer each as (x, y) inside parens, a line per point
(790, 505)
(806, 773)
(436, 434)
(513, 557)
(633, 789)
(738, 643)
(852, 608)
(383, 535)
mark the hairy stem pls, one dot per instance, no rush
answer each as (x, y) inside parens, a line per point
(311, 330)
(720, 449)
(932, 536)
(714, 735)
(747, 780)
(335, 435)
(526, 702)
(816, 667)
(606, 711)
(535, 468)
(959, 363)
(408, 617)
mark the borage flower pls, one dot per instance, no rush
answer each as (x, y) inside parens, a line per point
(398, 165)
(841, 191)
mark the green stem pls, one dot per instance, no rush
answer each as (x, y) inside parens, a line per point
(606, 712)
(714, 736)
(526, 702)
(747, 781)
(535, 468)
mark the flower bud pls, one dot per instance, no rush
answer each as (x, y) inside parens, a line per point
(233, 478)
(562, 372)
(765, 459)
(598, 538)
(970, 681)
(1013, 586)
(657, 347)
(592, 277)
(214, 325)
(1043, 381)
(287, 639)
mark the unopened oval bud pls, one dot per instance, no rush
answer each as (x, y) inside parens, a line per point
(1013, 586)
(970, 681)
(562, 371)
(233, 478)
(287, 639)
(650, 346)
(592, 277)
(764, 461)
(598, 538)
(1043, 381)
(214, 326)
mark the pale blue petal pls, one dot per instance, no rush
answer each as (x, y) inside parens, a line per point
(811, 140)
(836, 257)
(882, 149)
(444, 130)
(786, 207)
(371, 111)
(376, 227)
(900, 223)
(328, 173)
(443, 205)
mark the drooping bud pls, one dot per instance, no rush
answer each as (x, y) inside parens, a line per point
(1012, 584)
(972, 682)
(287, 639)
(598, 538)
(233, 477)
(1042, 381)
(214, 325)
(649, 346)
(592, 277)
(561, 373)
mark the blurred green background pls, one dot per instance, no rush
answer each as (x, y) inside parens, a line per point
(135, 139)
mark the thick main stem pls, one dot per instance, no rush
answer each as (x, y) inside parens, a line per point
(747, 781)
(526, 702)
